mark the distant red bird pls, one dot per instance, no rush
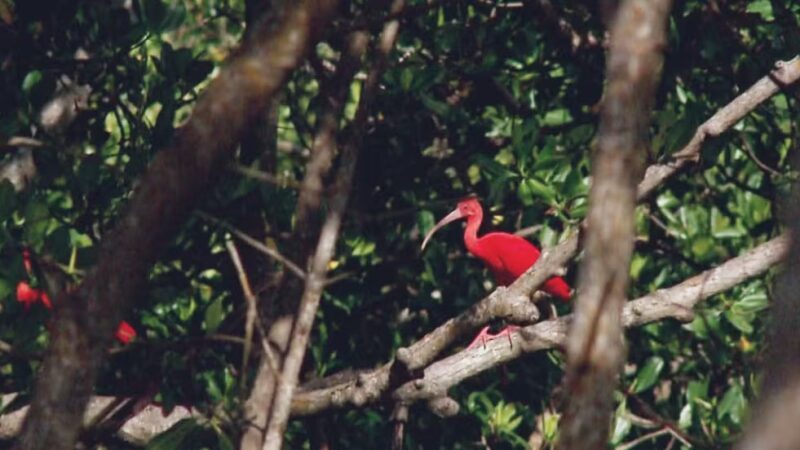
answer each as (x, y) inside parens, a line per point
(508, 256)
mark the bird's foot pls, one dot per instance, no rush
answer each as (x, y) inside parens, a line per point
(484, 335)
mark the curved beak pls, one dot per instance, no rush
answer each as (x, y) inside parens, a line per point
(452, 217)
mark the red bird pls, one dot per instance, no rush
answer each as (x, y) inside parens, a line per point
(508, 256)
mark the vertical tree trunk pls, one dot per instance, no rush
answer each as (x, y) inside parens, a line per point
(595, 350)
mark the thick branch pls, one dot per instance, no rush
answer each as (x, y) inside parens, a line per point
(174, 183)
(785, 74)
(372, 383)
(139, 429)
(355, 389)
(426, 349)
(595, 351)
(676, 302)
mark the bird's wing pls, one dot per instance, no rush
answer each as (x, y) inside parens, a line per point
(515, 253)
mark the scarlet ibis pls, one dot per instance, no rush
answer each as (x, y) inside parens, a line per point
(508, 256)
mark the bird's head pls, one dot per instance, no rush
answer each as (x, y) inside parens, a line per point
(468, 207)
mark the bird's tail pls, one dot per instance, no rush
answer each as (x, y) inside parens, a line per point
(557, 287)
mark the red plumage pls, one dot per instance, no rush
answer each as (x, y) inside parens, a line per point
(508, 256)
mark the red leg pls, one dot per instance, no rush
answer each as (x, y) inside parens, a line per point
(481, 337)
(484, 335)
(507, 332)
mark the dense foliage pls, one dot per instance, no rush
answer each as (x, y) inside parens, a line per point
(486, 98)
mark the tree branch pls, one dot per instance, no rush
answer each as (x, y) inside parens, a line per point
(174, 183)
(360, 388)
(356, 389)
(785, 74)
(252, 242)
(595, 350)
(424, 351)
(324, 149)
(315, 282)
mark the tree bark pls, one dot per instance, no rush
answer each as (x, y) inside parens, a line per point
(595, 350)
(176, 180)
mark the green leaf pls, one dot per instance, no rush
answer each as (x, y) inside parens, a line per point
(36, 221)
(406, 77)
(648, 374)
(741, 320)
(225, 442)
(685, 417)
(441, 109)
(763, 8)
(733, 404)
(30, 81)
(698, 326)
(425, 220)
(697, 390)
(721, 227)
(525, 193)
(214, 315)
(531, 188)
(557, 117)
(175, 437)
(703, 247)
(622, 425)
(753, 303)
(154, 13)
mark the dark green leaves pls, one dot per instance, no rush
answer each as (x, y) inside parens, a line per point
(647, 376)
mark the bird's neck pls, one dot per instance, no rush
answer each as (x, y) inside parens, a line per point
(471, 232)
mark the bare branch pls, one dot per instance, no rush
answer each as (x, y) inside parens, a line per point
(307, 210)
(315, 282)
(264, 177)
(175, 181)
(250, 298)
(138, 430)
(785, 74)
(643, 438)
(399, 417)
(244, 237)
(357, 389)
(753, 157)
(21, 141)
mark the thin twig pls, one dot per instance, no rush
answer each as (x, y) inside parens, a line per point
(749, 149)
(252, 320)
(22, 141)
(644, 438)
(250, 298)
(249, 240)
(265, 177)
